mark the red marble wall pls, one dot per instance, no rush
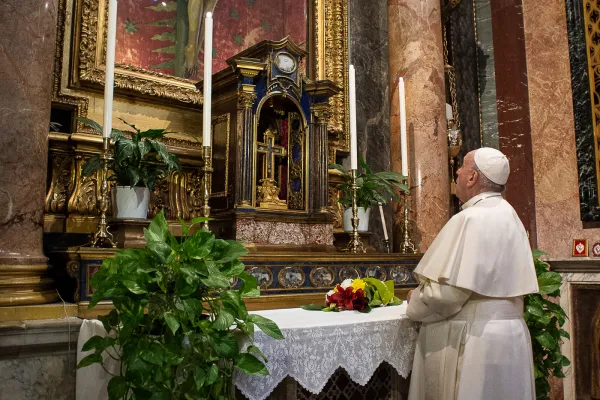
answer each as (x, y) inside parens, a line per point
(552, 129)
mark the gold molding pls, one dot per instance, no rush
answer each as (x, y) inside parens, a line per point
(330, 33)
(90, 53)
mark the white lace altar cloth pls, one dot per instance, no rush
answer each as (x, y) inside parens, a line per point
(316, 344)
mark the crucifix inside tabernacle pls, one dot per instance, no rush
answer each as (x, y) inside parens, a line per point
(274, 169)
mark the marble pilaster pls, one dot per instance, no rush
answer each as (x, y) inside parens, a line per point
(415, 53)
(27, 48)
(512, 95)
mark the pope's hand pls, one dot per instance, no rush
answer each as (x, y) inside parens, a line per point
(408, 296)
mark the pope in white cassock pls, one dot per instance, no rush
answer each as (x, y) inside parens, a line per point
(474, 343)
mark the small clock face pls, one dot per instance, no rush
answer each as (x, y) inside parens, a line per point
(285, 63)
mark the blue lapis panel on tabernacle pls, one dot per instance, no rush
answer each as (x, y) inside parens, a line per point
(305, 104)
(261, 91)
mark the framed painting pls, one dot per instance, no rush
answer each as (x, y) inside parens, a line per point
(159, 50)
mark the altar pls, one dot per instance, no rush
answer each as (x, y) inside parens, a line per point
(316, 346)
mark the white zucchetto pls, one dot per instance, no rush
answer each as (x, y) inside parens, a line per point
(493, 164)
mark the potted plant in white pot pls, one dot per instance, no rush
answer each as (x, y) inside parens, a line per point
(373, 187)
(138, 160)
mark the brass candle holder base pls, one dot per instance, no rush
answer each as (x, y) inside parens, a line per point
(354, 245)
(386, 242)
(206, 180)
(102, 237)
(407, 246)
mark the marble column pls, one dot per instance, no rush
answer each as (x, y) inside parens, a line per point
(368, 37)
(415, 53)
(27, 54)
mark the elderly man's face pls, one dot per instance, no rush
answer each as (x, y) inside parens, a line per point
(466, 177)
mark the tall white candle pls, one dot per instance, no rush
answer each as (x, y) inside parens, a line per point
(352, 109)
(383, 225)
(109, 79)
(403, 140)
(208, 38)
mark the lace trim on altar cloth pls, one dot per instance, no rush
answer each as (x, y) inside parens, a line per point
(311, 356)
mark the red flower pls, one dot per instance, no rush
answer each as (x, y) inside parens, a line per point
(346, 299)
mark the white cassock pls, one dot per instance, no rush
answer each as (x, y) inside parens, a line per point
(474, 343)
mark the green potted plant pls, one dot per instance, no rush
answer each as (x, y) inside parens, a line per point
(138, 160)
(373, 187)
(178, 329)
(545, 319)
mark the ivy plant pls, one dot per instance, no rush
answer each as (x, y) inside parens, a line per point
(138, 159)
(373, 187)
(178, 329)
(545, 318)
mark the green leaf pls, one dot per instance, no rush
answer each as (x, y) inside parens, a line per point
(184, 228)
(224, 344)
(156, 245)
(144, 147)
(546, 340)
(224, 319)
(215, 278)
(153, 353)
(193, 308)
(565, 334)
(549, 282)
(233, 300)
(98, 343)
(172, 321)
(199, 245)
(95, 358)
(535, 309)
(159, 226)
(133, 287)
(266, 325)
(199, 377)
(109, 321)
(252, 349)
(91, 165)
(249, 286)
(227, 250)
(160, 396)
(213, 374)
(251, 365)
(92, 124)
(233, 268)
(117, 388)
(382, 289)
(312, 307)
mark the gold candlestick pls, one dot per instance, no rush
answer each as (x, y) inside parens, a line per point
(102, 237)
(354, 244)
(207, 169)
(407, 245)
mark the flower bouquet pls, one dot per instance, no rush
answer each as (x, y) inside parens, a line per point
(358, 294)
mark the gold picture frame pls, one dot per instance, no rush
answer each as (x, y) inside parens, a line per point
(89, 58)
